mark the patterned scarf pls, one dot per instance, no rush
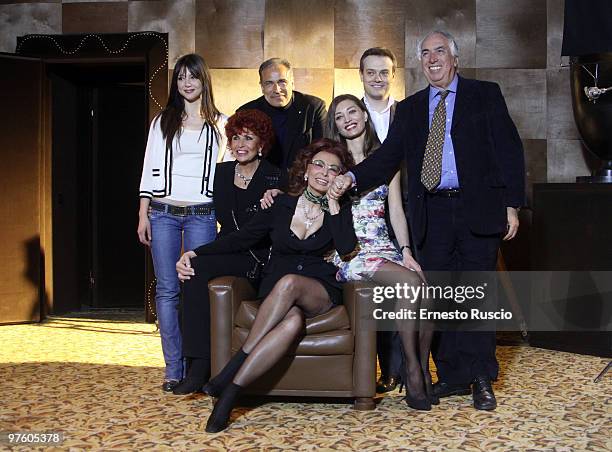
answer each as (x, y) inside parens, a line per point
(320, 200)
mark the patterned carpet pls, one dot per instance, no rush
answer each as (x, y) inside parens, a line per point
(98, 380)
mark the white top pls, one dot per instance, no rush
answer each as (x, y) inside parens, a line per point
(380, 120)
(185, 175)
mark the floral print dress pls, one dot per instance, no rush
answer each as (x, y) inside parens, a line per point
(375, 247)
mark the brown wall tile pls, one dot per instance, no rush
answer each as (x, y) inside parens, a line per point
(567, 159)
(525, 94)
(361, 24)
(511, 34)
(457, 17)
(21, 19)
(554, 32)
(560, 116)
(302, 32)
(9, 2)
(230, 24)
(175, 17)
(234, 87)
(95, 17)
(316, 82)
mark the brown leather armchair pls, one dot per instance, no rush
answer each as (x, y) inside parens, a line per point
(334, 359)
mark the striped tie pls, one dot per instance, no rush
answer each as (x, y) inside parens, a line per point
(431, 172)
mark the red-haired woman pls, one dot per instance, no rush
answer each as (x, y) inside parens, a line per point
(298, 283)
(238, 188)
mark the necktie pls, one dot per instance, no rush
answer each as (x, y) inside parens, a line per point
(431, 172)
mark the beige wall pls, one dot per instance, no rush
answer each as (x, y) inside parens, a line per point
(513, 42)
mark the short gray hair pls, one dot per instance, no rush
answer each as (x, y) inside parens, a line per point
(452, 43)
(273, 62)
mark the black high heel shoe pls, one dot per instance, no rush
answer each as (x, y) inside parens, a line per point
(216, 385)
(422, 404)
(434, 399)
(219, 418)
(197, 375)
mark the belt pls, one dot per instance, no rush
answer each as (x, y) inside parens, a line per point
(450, 193)
(183, 211)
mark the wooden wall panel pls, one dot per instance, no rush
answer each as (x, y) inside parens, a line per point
(567, 159)
(560, 122)
(458, 17)
(316, 82)
(179, 23)
(347, 81)
(525, 94)
(302, 32)
(230, 24)
(554, 32)
(234, 87)
(95, 17)
(361, 24)
(20, 19)
(511, 34)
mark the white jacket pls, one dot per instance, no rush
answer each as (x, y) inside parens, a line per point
(156, 179)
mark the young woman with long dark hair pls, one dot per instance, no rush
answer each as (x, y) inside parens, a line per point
(176, 189)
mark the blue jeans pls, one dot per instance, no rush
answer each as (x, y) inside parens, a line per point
(167, 233)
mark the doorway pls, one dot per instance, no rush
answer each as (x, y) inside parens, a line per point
(99, 122)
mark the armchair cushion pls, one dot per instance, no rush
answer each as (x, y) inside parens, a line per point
(337, 342)
(334, 319)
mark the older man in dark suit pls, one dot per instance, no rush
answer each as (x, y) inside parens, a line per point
(466, 182)
(298, 119)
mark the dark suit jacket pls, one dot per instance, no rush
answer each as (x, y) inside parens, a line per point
(488, 154)
(305, 125)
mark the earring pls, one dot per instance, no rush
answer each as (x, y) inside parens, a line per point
(259, 154)
(305, 177)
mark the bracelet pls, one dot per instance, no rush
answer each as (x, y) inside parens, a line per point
(404, 246)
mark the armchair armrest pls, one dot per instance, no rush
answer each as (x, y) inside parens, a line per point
(357, 297)
(226, 294)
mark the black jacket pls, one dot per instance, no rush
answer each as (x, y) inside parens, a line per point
(224, 199)
(488, 154)
(291, 255)
(306, 123)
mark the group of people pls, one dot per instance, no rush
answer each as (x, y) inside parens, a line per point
(306, 200)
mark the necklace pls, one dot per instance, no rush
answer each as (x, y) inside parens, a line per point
(245, 179)
(308, 221)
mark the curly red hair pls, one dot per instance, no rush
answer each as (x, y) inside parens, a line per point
(297, 184)
(257, 122)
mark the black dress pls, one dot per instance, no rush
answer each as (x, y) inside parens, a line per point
(291, 255)
(231, 203)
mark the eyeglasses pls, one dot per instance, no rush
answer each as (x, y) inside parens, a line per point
(333, 169)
